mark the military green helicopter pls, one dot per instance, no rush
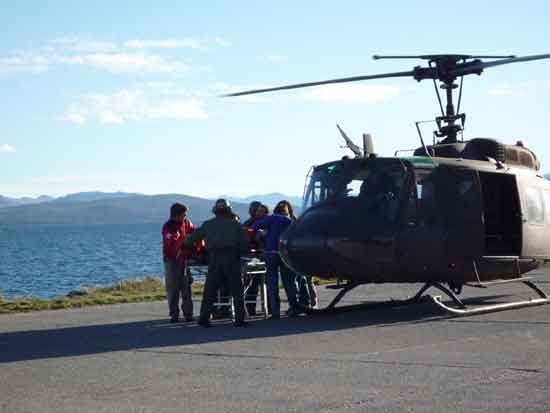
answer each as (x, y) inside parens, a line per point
(457, 213)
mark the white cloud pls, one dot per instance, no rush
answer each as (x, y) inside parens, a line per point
(124, 57)
(189, 43)
(359, 94)
(134, 105)
(274, 58)
(24, 63)
(185, 43)
(5, 148)
(508, 89)
(220, 41)
(73, 116)
(74, 44)
(126, 62)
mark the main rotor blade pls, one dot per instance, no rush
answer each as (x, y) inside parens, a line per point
(471, 67)
(516, 60)
(323, 82)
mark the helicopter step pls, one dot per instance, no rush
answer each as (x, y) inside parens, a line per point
(458, 308)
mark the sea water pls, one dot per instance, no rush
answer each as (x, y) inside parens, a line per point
(52, 260)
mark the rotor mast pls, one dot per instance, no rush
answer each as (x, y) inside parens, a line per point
(447, 68)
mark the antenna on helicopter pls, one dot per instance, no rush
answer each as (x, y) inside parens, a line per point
(349, 143)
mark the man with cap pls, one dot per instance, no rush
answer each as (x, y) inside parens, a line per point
(225, 241)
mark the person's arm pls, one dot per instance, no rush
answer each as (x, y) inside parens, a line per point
(189, 227)
(262, 223)
(194, 237)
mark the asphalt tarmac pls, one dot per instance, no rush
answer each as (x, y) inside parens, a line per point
(127, 358)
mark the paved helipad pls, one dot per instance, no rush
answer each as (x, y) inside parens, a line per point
(126, 358)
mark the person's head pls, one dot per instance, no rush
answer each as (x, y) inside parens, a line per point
(284, 208)
(222, 207)
(261, 211)
(253, 207)
(178, 212)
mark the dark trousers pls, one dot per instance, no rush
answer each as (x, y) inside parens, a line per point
(274, 267)
(224, 266)
(222, 310)
(177, 284)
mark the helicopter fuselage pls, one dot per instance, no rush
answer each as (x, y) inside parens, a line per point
(420, 219)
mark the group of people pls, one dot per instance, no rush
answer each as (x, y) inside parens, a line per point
(226, 240)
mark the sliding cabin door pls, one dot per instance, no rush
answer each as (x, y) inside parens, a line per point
(535, 219)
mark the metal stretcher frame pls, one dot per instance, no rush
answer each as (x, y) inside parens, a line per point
(252, 268)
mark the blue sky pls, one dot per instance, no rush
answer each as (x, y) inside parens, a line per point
(123, 95)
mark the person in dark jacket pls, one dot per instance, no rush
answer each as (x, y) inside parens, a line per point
(275, 225)
(252, 291)
(177, 279)
(225, 241)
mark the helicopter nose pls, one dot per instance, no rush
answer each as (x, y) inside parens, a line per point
(304, 254)
(306, 245)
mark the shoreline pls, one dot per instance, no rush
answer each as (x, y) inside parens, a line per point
(126, 291)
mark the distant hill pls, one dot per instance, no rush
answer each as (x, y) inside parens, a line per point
(93, 196)
(8, 202)
(547, 176)
(269, 199)
(111, 210)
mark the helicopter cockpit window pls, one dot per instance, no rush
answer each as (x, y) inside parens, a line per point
(376, 189)
(423, 209)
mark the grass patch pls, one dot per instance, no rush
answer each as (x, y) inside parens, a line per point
(126, 291)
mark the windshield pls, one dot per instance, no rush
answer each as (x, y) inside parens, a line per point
(371, 183)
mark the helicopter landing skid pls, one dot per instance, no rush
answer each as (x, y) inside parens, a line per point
(458, 308)
(464, 311)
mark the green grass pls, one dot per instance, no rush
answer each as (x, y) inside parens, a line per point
(126, 291)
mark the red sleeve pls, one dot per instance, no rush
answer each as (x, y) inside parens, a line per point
(189, 226)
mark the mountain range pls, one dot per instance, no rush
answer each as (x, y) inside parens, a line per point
(113, 208)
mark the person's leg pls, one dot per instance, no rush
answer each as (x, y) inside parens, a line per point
(251, 295)
(303, 290)
(211, 285)
(172, 293)
(232, 272)
(289, 283)
(222, 296)
(272, 263)
(186, 294)
(312, 291)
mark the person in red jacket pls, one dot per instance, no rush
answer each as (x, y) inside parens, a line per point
(175, 271)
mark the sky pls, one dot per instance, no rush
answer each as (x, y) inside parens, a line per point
(124, 96)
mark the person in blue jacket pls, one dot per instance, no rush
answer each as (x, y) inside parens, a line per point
(307, 295)
(275, 225)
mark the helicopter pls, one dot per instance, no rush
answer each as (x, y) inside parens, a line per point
(456, 213)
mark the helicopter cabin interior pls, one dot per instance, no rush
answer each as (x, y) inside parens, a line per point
(501, 214)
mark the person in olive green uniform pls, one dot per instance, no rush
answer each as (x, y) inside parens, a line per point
(225, 241)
